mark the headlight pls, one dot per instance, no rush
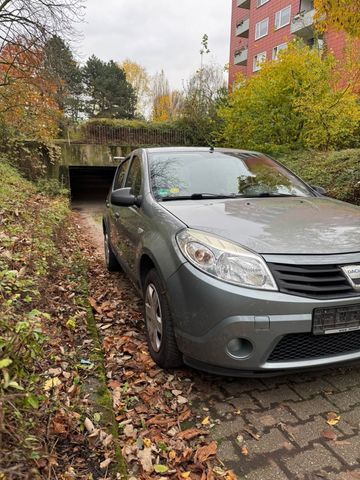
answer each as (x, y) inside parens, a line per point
(225, 260)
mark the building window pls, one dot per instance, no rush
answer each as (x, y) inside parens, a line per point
(260, 2)
(283, 17)
(258, 60)
(277, 49)
(262, 28)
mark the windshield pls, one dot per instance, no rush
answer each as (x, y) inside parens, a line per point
(176, 175)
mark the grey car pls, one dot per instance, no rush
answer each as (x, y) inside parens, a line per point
(243, 267)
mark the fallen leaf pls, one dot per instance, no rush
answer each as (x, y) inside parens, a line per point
(203, 453)
(206, 421)
(190, 433)
(51, 383)
(145, 458)
(230, 475)
(105, 463)
(181, 400)
(185, 474)
(329, 434)
(89, 425)
(147, 442)
(161, 468)
(245, 451)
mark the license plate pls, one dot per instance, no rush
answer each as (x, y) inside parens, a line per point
(336, 319)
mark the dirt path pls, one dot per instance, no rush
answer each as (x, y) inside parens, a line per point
(292, 427)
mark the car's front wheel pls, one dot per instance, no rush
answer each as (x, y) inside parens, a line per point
(158, 323)
(110, 260)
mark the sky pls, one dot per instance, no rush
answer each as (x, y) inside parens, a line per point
(158, 34)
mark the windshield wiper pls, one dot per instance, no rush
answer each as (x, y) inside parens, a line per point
(199, 196)
(266, 194)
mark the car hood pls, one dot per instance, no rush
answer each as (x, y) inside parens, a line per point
(276, 225)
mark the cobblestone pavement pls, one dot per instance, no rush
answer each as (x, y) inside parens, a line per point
(276, 429)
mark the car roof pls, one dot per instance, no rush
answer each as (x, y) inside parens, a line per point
(198, 149)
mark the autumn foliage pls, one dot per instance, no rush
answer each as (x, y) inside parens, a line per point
(27, 102)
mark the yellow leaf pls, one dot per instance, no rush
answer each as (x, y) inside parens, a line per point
(333, 421)
(185, 475)
(172, 454)
(51, 383)
(147, 442)
(206, 421)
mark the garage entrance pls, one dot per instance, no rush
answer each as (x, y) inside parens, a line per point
(90, 184)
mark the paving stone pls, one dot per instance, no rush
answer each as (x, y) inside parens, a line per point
(309, 389)
(238, 386)
(228, 429)
(270, 472)
(309, 408)
(345, 400)
(271, 417)
(311, 461)
(223, 408)
(309, 432)
(244, 402)
(348, 450)
(342, 381)
(347, 475)
(278, 395)
(268, 443)
(352, 418)
(227, 452)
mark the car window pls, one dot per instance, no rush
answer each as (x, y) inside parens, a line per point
(134, 176)
(120, 174)
(175, 174)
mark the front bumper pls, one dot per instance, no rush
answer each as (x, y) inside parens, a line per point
(208, 314)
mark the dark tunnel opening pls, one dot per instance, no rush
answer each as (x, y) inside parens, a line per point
(90, 184)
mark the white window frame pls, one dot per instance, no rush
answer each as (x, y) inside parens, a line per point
(257, 62)
(259, 3)
(277, 49)
(279, 23)
(258, 28)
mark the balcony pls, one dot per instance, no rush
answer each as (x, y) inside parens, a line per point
(243, 3)
(242, 28)
(241, 56)
(302, 24)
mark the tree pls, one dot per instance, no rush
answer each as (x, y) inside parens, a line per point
(27, 105)
(339, 14)
(160, 96)
(28, 25)
(109, 94)
(139, 79)
(62, 70)
(202, 94)
(296, 101)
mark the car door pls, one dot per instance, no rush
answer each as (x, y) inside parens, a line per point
(114, 211)
(130, 224)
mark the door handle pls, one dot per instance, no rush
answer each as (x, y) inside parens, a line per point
(117, 215)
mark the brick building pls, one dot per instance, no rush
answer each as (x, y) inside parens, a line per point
(261, 28)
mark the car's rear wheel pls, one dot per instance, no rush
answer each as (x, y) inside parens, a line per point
(158, 323)
(110, 260)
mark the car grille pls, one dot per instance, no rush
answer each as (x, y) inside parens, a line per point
(305, 346)
(314, 281)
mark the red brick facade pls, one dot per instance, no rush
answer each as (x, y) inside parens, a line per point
(300, 9)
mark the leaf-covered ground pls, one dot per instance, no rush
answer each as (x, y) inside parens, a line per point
(161, 434)
(54, 410)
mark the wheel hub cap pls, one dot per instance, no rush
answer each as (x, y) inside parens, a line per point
(153, 317)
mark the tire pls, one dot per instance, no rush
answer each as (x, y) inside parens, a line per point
(158, 324)
(110, 260)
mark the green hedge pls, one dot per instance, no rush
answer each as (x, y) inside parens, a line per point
(338, 172)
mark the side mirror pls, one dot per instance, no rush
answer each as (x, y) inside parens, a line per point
(319, 190)
(123, 197)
